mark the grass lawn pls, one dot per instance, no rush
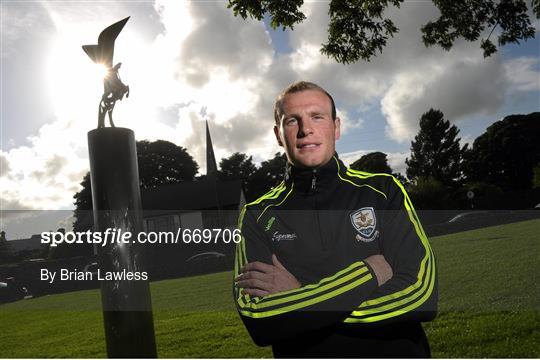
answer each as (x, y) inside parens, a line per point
(488, 299)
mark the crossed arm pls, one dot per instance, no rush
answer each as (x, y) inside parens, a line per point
(274, 305)
(260, 279)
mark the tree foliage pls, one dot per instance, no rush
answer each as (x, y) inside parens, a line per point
(484, 196)
(282, 13)
(468, 19)
(374, 162)
(428, 193)
(435, 151)
(536, 176)
(83, 205)
(358, 30)
(162, 162)
(506, 153)
(236, 166)
(268, 175)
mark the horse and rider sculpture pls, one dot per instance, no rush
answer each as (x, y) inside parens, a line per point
(113, 87)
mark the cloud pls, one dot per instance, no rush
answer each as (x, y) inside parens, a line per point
(11, 206)
(53, 167)
(523, 73)
(219, 39)
(44, 174)
(466, 140)
(224, 65)
(4, 165)
(181, 57)
(49, 90)
(347, 124)
(407, 78)
(457, 87)
(17, 19)
(350, 157)
(396, 160)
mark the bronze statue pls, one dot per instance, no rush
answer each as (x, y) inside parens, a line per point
(113, 88)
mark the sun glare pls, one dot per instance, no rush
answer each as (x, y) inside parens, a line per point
(100, 71)
(75, 83)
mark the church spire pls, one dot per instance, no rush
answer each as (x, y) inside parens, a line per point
(211, 166)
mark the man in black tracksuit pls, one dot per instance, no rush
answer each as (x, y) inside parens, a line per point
(333, 262)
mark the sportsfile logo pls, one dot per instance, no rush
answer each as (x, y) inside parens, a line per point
(277, 237)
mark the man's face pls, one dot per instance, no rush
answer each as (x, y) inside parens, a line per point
(306, 129)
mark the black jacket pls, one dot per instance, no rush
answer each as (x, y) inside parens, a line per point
(321, 223)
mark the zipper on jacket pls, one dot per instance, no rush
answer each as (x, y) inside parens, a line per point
(313, 191)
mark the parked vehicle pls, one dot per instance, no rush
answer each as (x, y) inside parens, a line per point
(206, 262)
(467, 216)
(10, 290)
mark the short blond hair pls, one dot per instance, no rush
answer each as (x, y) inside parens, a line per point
(297, 87)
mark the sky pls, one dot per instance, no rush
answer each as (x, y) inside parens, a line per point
(188, 61)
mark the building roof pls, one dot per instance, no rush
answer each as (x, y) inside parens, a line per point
(193, 195)
(32, 243)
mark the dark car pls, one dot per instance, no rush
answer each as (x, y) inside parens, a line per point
(11, 290)
(206, 262)
(93, 268)
(469, 216)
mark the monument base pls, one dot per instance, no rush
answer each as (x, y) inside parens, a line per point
(127, 306)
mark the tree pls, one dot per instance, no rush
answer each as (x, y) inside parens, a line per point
(358, 29)
(485, 196)
(160, 162)
(536, 176)
(236, 166)
(83, 205)
(428, 193)
(5, 249)
(377, 162)
(268, 175)
(468, 19)
(374, 162)
(506, 153)
(435, 151)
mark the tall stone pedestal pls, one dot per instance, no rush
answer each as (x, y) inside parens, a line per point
(127, 306)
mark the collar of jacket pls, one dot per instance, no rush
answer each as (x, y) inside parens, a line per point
(313, 179)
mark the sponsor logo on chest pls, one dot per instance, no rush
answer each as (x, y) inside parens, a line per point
(364, 222)
(277, 237)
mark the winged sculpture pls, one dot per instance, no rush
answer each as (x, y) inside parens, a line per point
(113, 87)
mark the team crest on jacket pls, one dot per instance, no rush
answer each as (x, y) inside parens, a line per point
(365, 222)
